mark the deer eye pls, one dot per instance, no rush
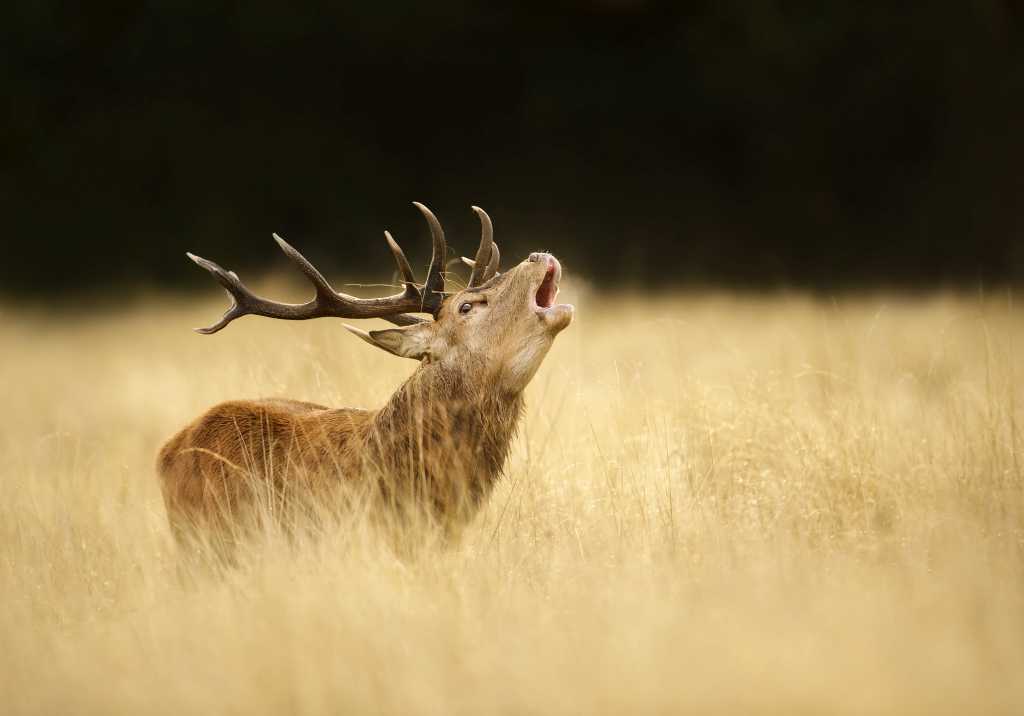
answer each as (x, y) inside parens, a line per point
(466, 307)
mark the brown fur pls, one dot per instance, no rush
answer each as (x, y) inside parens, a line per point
(440, 442)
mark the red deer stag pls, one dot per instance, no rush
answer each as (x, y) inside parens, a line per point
(443, 436)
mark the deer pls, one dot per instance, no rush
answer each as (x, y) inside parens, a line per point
(443, 437)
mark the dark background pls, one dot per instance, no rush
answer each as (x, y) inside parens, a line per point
(738, 142)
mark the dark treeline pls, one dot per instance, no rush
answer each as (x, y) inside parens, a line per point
(760, 143)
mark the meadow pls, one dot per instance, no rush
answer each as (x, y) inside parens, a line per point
(718, 503)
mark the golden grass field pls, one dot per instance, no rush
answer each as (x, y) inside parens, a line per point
(717, 504)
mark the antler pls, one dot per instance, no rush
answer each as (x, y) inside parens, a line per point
(327, 301)
(485, 266)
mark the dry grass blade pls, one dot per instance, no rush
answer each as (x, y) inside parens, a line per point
(716, 505)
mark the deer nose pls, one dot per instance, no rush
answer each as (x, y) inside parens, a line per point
(538, 257)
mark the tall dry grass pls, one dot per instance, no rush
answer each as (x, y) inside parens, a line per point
(717, 504)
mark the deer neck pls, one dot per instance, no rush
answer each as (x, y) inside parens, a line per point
(451, 425)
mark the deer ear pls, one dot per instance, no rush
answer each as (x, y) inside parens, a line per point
(408, 342)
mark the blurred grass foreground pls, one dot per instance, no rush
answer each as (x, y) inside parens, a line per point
(716, 503)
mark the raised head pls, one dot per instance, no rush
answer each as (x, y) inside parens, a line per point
(501, 324)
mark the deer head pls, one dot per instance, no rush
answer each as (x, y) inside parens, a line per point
(501, 325)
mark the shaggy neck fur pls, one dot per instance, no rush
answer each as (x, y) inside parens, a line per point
(446, 436)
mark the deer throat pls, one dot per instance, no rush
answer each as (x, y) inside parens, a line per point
(442, 429)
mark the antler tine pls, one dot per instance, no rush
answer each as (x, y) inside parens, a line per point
(404, 319)
(408, 278)
(433, 289)
(323, 288)
(495, 262)
(492, 266)
(243, 301)
(483, 254)
(403, 263)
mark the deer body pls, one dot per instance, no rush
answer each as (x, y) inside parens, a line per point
(441, 439)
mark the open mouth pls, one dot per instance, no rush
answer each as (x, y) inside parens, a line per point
(548, 288)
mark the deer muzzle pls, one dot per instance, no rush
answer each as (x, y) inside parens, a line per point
(556, 316)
